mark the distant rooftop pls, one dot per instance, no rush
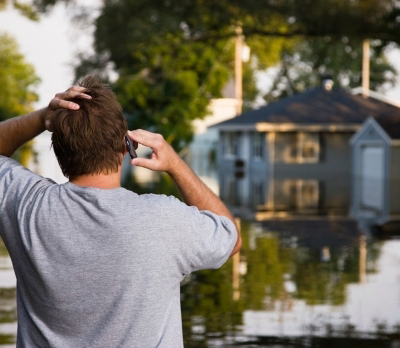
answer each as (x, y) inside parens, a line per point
(319, 106)
(391, 125)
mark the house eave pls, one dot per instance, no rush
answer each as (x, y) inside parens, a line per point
(377, 96)
(289, 127)
(235, 127)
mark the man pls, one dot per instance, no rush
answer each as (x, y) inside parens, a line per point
(97, 265)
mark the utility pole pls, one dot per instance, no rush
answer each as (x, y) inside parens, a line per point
(365, 69)
(363, 259)
(238, 69)
(236, 269)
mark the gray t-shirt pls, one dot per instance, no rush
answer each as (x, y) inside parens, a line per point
(102, 268)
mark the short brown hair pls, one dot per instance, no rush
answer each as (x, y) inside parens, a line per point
(90, 140)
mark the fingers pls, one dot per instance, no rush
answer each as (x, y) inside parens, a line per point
(163, 154)
(70, 94)
(146, 163)
(63, 104)
(152, 140)
(61, 100)
(77, 89)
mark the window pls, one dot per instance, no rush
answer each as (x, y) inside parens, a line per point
(305, 147)
(230, 143)
(258, 196)
(257, 145)
(303, 195)
(308, 194)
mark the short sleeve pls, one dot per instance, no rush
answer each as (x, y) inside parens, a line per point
(17, 185)
(205, 240)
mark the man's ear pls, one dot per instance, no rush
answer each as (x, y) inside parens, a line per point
(125, 150)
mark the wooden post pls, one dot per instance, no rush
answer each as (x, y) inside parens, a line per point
(236, 274)
(365, 69)
(363, 259)
(271, 139)
(238, 69)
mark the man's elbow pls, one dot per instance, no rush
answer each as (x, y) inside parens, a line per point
(237, 246)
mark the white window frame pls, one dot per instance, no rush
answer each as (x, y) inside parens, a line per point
(230, 144)
(258, 145)
(301, 140)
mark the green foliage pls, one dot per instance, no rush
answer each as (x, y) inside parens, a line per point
(166, 79)
(266, 266)
(208, 19)
(169, 93)
(207, 299)
(323, 282)
(16, 80)
(173, 56)
(26, 10)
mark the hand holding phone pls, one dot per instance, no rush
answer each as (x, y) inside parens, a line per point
(163, 157)
(129, 147)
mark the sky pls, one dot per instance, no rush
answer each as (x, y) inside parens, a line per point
(51, 45)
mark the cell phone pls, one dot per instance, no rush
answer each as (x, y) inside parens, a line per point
(129, 147)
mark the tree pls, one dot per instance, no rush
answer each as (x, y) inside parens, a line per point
(25, 9)
(172, 56)
(17, 78)
(302, 66)
(166, 80)
(207, 19)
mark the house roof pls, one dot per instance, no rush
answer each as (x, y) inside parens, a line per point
(391, 125)
(318, 106)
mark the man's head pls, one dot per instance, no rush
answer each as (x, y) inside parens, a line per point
(90, 140)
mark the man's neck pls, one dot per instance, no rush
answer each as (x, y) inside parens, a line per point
(102, 181)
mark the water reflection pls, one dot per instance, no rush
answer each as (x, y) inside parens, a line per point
(292, 288)
(255, 195)
(311, 273)
(8, 309)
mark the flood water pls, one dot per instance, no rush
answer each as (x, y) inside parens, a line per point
(300, 280)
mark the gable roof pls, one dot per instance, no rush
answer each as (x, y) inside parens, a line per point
(370, 122)
(317, 106)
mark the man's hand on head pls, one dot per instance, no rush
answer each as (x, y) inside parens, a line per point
(163, 158)
(62, 101)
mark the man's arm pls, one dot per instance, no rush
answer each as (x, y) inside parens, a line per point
(193, 190)
(18, 130)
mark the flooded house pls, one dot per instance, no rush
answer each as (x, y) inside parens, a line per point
(293, 156)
